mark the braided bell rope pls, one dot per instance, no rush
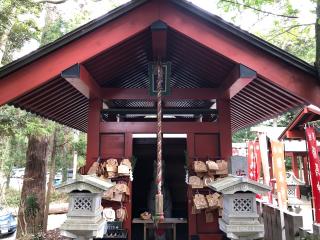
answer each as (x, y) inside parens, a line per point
(159, 132)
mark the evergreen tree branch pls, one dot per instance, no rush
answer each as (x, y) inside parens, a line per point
(287, 30)
(51, 1)
(258, 10)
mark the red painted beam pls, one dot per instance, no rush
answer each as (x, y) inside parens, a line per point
(266, 65)
(79, 77)
(238, 78)
(176, 93)
(159, 40)
(298, 134)
(50, 66)
(151, 127)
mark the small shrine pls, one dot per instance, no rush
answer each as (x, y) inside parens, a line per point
(84, 217)
(240, 219)
(161, 85)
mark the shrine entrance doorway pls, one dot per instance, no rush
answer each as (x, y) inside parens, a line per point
(174, 152)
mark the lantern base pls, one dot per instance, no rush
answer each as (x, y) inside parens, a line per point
(242, 231)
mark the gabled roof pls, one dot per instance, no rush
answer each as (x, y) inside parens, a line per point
(307, 114)
(125, 64)
(118, 12)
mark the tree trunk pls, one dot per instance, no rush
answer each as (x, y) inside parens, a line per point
(8, 181)
(34, 185)
(64, 164)
(51, 177)
(317, 29)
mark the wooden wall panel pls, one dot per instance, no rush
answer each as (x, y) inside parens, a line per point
(204, 227)
(206, 145)
(112, 145)
(118, 145)
(202, 145)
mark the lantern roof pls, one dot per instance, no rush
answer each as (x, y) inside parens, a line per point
(85, 183)
(233, 184)
(293, 180)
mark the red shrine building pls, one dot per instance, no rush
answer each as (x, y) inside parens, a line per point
(218, 79)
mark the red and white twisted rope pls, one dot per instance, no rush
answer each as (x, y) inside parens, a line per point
(159, 133)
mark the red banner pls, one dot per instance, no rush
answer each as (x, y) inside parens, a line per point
(279, 171)
(314, 169)
(254, 160)
(257, 155)
(251, 162)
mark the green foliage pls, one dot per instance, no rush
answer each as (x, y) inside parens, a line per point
(11, 120)
(288, 163)
(243, 135)
(291, 37)
(229, 6)
(31, 206)
(12, 197)
(58, 197)
(287, 31)
(81, 145)
(18, 25)
(20, 33)
(56, 26)
(311, 237)
(52, 31)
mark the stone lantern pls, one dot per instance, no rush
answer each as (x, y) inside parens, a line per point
(240, 219)
(293, 201)
(293, 182)
(84, 218)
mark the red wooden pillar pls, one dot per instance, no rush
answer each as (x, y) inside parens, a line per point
(192, 219)
(224, 118)
(305, 169)
(128, 154)
(93, 134)
(295, 170)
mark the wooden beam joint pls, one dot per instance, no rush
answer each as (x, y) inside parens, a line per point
(78, 76)
(239, 78)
